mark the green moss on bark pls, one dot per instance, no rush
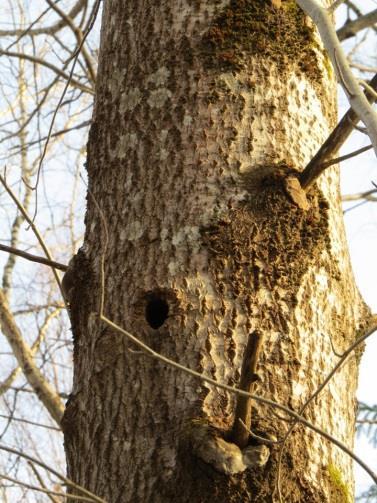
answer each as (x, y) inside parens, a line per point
(249, 27)
(339, 489)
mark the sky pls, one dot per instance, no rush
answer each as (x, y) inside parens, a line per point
(357, 175)
(361, 228)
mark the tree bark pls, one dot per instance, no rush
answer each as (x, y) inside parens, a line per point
(202, 109)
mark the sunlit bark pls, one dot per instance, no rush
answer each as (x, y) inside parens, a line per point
(202, 109)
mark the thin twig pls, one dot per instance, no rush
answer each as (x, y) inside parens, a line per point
(262, 440)
(75, 57)
(341, 361)
(363, 68)
(352, 27)
(357, 11)
(57, 133)
(336, 353)
(361, 129)
(50, 66)
(7, 382)
(25, 358)
(34, 229)
(333, 143)
(366, 421)
(40, 480)
(33, 423)
(344, 157)
(79, 36)
(34, 258)
(357, 99)
(367, 87)
(104, 250)
(48, 491)
(202, 377)
(66, 480)
(354, 207)
(31, 115)
(335, 5)
(158, 356)
(361, 195)
(47, 30)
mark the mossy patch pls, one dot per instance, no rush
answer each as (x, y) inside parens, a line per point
(248, 27)
(339, 489)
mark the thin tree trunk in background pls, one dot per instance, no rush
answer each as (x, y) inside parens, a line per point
(202, 108)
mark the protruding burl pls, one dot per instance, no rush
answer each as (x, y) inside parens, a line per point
(223, 456)
(296, 192)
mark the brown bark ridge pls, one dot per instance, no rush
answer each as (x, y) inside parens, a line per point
(203, 108)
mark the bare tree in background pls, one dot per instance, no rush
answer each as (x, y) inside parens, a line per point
(213, 234)
(36, 379)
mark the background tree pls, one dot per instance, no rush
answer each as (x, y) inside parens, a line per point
(36, 355)
(209, 246)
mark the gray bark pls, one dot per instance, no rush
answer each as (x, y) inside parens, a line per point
(202, 108)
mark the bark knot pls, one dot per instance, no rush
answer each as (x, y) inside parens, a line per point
(225, 457)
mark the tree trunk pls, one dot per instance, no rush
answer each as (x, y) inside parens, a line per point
(202, 110)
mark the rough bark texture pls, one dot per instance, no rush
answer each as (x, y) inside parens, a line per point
(202, 109)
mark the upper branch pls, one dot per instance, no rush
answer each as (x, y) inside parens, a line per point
(58, 71)
(336, 139)
(79, 37)
(354, 93)
(46, 30)
(352, 27)
(23, 354)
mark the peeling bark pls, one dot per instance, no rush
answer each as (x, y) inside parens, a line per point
(203, 109)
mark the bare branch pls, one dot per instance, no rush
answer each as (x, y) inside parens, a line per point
(345, 355)
(57, 133)
(34, 258)
(7, 383)
(40, 489)
(344, 157)
(50, 66)
(33, 423)
(158, 356)
(336, 139)
(351, 28)
(40, 480)
(33, 227)
(79, 37)
(91, 22)
(66, 480)
(25, 360)
(47, 30)
(26, 171)
(367, 87)
(361, 195)
(34, 112)
(356, 97)
(363, 68)
(335, 5)
(357, 11)
(242, 419)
